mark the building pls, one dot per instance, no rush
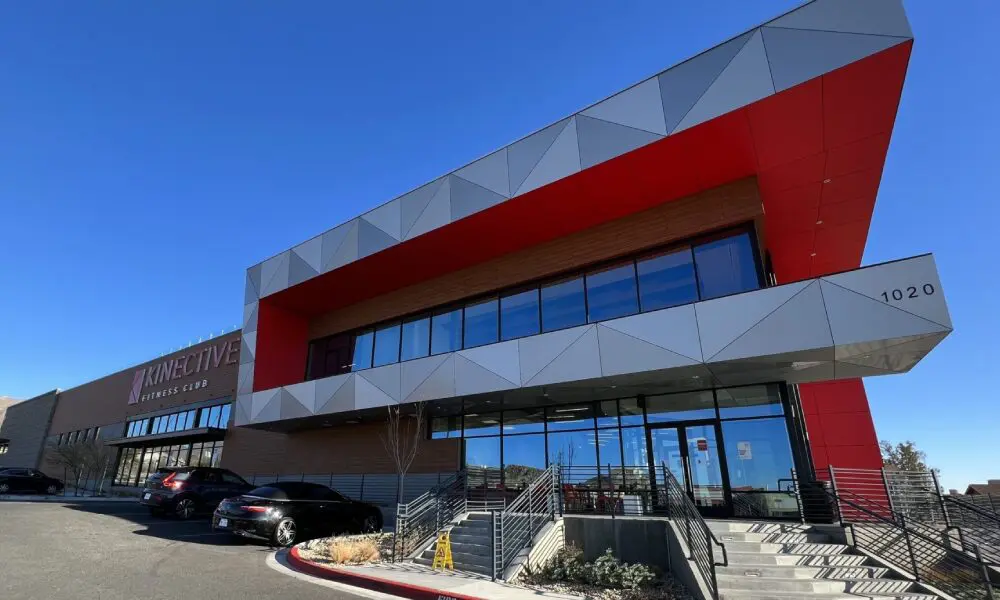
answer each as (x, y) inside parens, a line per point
(5, 401)
(23, 430)
(669, 276)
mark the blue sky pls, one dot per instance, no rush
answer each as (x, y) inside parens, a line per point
(150, 152)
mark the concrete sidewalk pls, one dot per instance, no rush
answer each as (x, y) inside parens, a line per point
(64, 499)
(418, 582)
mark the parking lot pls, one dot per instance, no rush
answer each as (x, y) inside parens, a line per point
(112, 551)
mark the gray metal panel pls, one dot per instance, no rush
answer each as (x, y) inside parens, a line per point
(524, 154)
(367, 395)
(415, 372)
(501, 358)
(440, 383)
(746, 80)
(796, 55)
(335, 394)
(248, 347)
(266, 406)
(299, 270)
(561, 159)
(244, 406)
(412, 204)
(722, 320)
(274, 274)
(371, 239)
(330, 244)
(291, 408)
(682, 85)
(537, 351)
(798, 324)
(249, 318)
(489, 172)
(305, 394)
(674, 329)
(436, 213)
(244, 380)
(253, 278)
(622, 353)
(639, 107)
(855, 317)
(471, 378)
(250, 294)
(311, 251)
(601, 140)
(581, 360)
(387, 218)
(468, 198)
(385, 378)
(878, 17)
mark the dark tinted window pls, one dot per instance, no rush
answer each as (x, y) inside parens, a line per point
(269, 491)
(519, 315)
(232, 478)
(611, 293)
(446, 331)
(481, 323)
(667, 280)
(363, 346)
(416, 339)
(563, 305)
(726, 266)
(386, 345)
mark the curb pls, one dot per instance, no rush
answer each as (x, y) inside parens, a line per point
(375, 584)
(65, 499)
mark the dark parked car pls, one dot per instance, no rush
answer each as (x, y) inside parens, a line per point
(28, 480)
(288, 512)
(185, 491)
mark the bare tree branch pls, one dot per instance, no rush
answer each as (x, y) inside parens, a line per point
(402, 437)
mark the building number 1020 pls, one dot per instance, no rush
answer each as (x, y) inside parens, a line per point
(910, 292)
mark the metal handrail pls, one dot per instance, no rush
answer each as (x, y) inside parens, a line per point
(980, 529)
(418, 521)
(515, 527)
(700, 539)
(910, 546)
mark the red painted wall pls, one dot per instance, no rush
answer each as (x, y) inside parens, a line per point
(840, 427)
(282, 347)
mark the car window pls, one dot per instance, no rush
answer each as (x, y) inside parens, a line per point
(232, 479)
(18, 472)
(269, 491)
(210, 477)
(335, 496)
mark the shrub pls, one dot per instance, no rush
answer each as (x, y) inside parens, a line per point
(607, 571)
(353, 550)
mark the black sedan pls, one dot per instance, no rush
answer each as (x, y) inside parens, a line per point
(287, 512)
(185, 491)
(28, 480)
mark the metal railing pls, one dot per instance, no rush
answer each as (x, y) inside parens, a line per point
(418, 521)
(515, 527)
(609, 490)
(975, 527)
(922, 551)
(699, 538)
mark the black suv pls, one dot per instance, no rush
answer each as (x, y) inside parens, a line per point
(184, 491)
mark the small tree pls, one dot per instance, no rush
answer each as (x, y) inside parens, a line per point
(402, 438)
(903, 456)
(90, 457)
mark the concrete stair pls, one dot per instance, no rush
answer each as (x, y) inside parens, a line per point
(780, 561)
(471, 545)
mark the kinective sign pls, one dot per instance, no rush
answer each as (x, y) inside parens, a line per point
(210, 357)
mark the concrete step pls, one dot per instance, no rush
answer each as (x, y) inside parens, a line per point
(810, 560)
(471, 548)
(882, 587)
(803, 572)
(470, 538)
(791, 548)
(774, 538)
(473, 524)
(718, 527)
(481, 517)
(463, 558)
(762, 595)
(458, 567)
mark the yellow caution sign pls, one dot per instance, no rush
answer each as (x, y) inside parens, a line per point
(442, 553)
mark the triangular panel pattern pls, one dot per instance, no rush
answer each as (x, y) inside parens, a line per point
(799, 324)
(469, 198)
(412, 204)
(639, 107)
(622, 353)
(299, 270)
(537, 351)
(249, 347)
(250, 318)
(387, 218)
(562, 159)
(674, 329)
(523, 155)
(305, 394)
(601, 140)
(471, 378)
(682, 85)
(489, 172)
(876, 17)
(311, 251)
(439, 384)
(849, 351)
(254, 277)
(797, 55)
(242, 410)
(367, 395)
(436, 214)
(385, 378)
(335, 394)
(250, 294)
(746, 80)
(415, 372)
(340, 246)
(857, 318)
(371, 239)
(291, 408)
(722, 320)
(244, 382)
(274, 274)
(261, 400)
(502, 359)
(581, 360)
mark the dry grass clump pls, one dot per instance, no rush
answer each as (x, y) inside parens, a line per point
(353, 550)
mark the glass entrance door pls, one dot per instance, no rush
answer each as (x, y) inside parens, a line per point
(691, 452)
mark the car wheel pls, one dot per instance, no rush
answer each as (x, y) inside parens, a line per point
(371, 524)
(51, 490)
(284, 533)
(184, 509)
(4, 488)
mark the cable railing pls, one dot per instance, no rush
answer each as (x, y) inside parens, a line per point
(418, 521)
(922, 551)
(515, 526)
(699, 538)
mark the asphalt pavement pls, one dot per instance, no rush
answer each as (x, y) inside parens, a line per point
(117, 551)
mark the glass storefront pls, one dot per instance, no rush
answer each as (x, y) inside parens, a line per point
(136, 464)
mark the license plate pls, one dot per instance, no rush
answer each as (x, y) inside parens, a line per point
(146, 497)
(223, 522)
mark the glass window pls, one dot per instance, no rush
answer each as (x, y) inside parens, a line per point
(189, 419)
(667, 280)
(131, 429)
(172, 423)
(217, 454)
(612, 293)
(224, 417)
(607, 413)
(563, 305)
(482, 462)
(576, 416)
(416, 339)
(726, 266)
(749, 401)
(758, 453)
(680, 407)
(386, 345)
(195, 460)
(523, 459)
(574, 449)
(529, 420)
(446, 427)
(634, 446)
(213, 416)
(234, 479)
(481, 323)
(203, 418)
(630, 411)
(482, 424)
(446, 331)
(519, 315)
(363, 346)
(609, 448)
